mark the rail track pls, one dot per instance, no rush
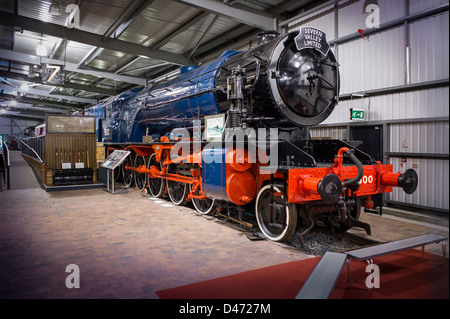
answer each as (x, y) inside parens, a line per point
(317, 241)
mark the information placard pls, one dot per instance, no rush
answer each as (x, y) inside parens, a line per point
(115, 159)
(214, 125)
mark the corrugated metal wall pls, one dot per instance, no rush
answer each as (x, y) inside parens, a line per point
(372, 64)
(419, 137)
(433, 189)
(403, 71)
(429, 49)
(421, 105)
(415, 141)
(352, 15)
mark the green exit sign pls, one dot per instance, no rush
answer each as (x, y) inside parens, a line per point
(356, 114)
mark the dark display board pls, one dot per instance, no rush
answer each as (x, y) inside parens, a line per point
(52, 74)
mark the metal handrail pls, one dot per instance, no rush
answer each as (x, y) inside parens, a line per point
(5, 147)
(37, 155)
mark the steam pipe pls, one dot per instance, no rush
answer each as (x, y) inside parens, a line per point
(358, 164)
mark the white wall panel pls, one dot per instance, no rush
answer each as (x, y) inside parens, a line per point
(323, 22)
(430, 103)
(374, 63)
(416, 6)
(353, 17)
(430, 49)
(433, 188)
(424, 137)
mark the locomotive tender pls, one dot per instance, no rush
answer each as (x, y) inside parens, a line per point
(199, 137)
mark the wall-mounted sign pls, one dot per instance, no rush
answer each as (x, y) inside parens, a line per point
(357, 114)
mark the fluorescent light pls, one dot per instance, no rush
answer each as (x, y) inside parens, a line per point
(41, 50)
(24, 87)
(13, 103)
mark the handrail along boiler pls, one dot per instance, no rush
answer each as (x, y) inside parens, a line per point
(287, 83)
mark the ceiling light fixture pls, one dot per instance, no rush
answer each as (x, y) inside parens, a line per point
(24, 87)
(55, 8)
(41, 50)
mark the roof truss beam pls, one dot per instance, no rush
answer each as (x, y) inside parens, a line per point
(223, 41)
(40, 103)
(75, 86)
(289, 5)
(48, 94)
(259, 20)
(12, 114)
(186, 25)
(30, 108)
(71, 67)
(117, 28)
(80, 36)
(126, 18)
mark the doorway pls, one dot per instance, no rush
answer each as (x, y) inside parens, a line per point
(371, 138)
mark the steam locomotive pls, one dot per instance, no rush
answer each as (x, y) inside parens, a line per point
(232, 135)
